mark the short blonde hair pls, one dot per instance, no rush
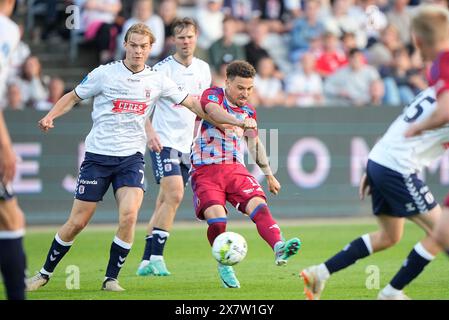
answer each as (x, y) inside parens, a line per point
(142, 29)
(431, 24)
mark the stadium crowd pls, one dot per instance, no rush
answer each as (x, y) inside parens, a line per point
(307, 53)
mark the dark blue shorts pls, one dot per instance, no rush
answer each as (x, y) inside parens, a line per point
(170, 162)
(397, 195)
(98, 171)
(6, 192)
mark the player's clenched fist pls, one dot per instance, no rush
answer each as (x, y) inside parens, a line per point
(249, 123)
(46, 124)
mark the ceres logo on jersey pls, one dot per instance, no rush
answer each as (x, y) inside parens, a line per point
(126, 106)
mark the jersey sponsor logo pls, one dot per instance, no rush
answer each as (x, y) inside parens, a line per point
(82, 181)
(213, 98)
(126, 106)
(133, 80)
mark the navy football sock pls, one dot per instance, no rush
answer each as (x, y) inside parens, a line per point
(57, 251)
(354, 251)
(117, 256)
(160, 237)
(12, 267)
(147, 250)
(415, 263)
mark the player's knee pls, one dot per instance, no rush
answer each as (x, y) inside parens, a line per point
(76, 226)
(128, 219)
(390, 240)
(174, 197)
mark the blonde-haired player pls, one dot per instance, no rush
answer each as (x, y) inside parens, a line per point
(430, 32)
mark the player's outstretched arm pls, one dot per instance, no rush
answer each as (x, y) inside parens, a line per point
(64, 105)
(153, 141)
(7, 155)
(437, 119)
(259, 154)
(216, 113)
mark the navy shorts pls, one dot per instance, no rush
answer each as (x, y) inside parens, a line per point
(170, 162)
(98, 171)
(6, 192)
(396, 194)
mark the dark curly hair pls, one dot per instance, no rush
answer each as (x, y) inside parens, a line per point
(240, 68)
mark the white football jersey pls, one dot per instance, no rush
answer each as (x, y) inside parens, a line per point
(410, 155)
(174, 123)
(9, 40)
(122, 103)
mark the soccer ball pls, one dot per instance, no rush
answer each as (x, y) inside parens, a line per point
(229, 248)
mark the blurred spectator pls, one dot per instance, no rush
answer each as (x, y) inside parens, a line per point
(348, 42)
(304, 29)
(402, 81)
(371, 19)
(293, 7)
(56, 89)
(332, 57)
(254, 49)
(243, 11)
(381, 53)
(352, 84)
(31, 82)
(168, 12)
(341, 20)
(224, 49)
(305, 87)
(273, 13)
(98, 18)
(210, 22)
(19, 56)
(268, 90)
(400, 16)
(143, 13)
(219, 78)
(14, 97)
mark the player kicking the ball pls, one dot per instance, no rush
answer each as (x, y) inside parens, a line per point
(396, 193)
(219, 173)
(123, 93)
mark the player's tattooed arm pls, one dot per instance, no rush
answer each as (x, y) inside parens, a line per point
(62, 106)
(257, 151)
(7, 155)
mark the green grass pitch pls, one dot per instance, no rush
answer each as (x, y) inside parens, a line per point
(194, 276)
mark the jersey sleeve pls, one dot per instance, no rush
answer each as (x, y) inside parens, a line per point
(252, 133)
(440, 74)
(210, 96)
(91, 85)
(171, 91)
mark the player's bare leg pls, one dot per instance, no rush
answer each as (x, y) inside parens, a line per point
(441, 230)
(129, 200)
(12, 255)
(171, 193)
(82, 212)
(389, 233)
(257, 209)
(421, 255)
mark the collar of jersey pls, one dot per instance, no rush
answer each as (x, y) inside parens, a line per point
(144, 68)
